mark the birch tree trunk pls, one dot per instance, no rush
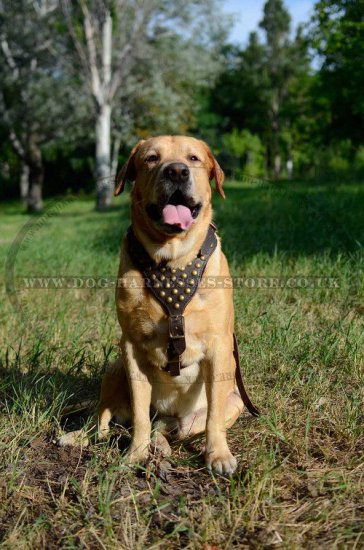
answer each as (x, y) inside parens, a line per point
(115, 154)
(24, 183)
(276, 139)
(36, 177)
(103, 120)
(35, 203)
(103, 150)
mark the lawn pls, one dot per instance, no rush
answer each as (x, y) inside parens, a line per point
(299, 483)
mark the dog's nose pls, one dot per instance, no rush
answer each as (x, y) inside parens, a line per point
(177, 172)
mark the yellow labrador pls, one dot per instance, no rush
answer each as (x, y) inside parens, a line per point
(171, 215)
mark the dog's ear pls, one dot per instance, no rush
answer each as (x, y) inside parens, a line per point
(127, 172)
(216, 172)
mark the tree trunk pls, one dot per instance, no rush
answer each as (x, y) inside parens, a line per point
(36, 177)
(104, 184)
(277, 166)
(276, 138)
(103, 180)
(24, 183)
(115, 155)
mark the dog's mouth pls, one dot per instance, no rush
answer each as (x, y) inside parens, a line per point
(176, 214)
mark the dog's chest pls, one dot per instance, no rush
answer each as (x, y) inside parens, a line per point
(147, 325)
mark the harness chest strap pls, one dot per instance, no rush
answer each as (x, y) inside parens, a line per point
(174, 289)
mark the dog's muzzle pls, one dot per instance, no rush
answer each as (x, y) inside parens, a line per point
(176, 209)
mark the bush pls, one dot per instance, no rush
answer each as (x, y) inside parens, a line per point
(242, 153)
(337, 162)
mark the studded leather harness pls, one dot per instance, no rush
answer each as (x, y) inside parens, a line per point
(174, 289)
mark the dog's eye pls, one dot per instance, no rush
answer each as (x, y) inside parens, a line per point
(194, 158)
(152, 158)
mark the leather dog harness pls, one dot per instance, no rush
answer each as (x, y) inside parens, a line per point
(174, 289)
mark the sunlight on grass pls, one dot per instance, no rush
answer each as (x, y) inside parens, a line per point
(299, 481)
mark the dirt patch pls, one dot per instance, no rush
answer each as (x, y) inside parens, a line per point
(38, 479)
(48, 463)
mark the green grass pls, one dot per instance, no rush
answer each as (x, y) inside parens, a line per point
(300, 478)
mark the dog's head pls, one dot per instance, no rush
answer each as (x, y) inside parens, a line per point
(172, 181)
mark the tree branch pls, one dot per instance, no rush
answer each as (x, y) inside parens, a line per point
(106, 51)
(119, 72)
(92, 56)
(77, 43)
(17, 146)
(9, 57)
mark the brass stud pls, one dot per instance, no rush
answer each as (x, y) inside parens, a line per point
(189, 263)
(174, 278)
(154, 276)
(191, 282)
(176, 306)
(162, 294)
(194, 272)
(211, 245)
(187, 290)
(181, 297)
(182, 268)
(203, 258)
(197, 264)
(169, 299)
(181, 283)
(174, 270)
(157, 285)
(163, 269)
(168, 285)
(174, 291)
(184, 275)
(162, 277)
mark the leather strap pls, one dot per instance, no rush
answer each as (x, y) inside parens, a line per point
(239, 382)
(174, 289)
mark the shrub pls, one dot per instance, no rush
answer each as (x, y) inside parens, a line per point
(242, 153)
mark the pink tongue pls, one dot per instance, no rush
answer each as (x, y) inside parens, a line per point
(177, 215)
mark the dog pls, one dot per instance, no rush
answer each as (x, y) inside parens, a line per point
(171, 215)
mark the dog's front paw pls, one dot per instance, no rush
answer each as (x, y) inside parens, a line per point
(137, 454)
(221, 462)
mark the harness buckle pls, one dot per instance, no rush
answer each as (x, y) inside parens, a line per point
(177, 340)
(176, 325)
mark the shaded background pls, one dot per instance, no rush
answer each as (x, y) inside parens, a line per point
(275, 88)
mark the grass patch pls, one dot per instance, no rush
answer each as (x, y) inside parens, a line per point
(300, 477)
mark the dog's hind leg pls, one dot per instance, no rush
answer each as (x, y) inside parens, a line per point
(114, 399)
(114, 402)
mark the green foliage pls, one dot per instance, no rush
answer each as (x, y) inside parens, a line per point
(338, 36)
(338, 162)
(270, 89)
(276, 24)
(243, 153)
(359, 159)
(182, 76)
(264, 88)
